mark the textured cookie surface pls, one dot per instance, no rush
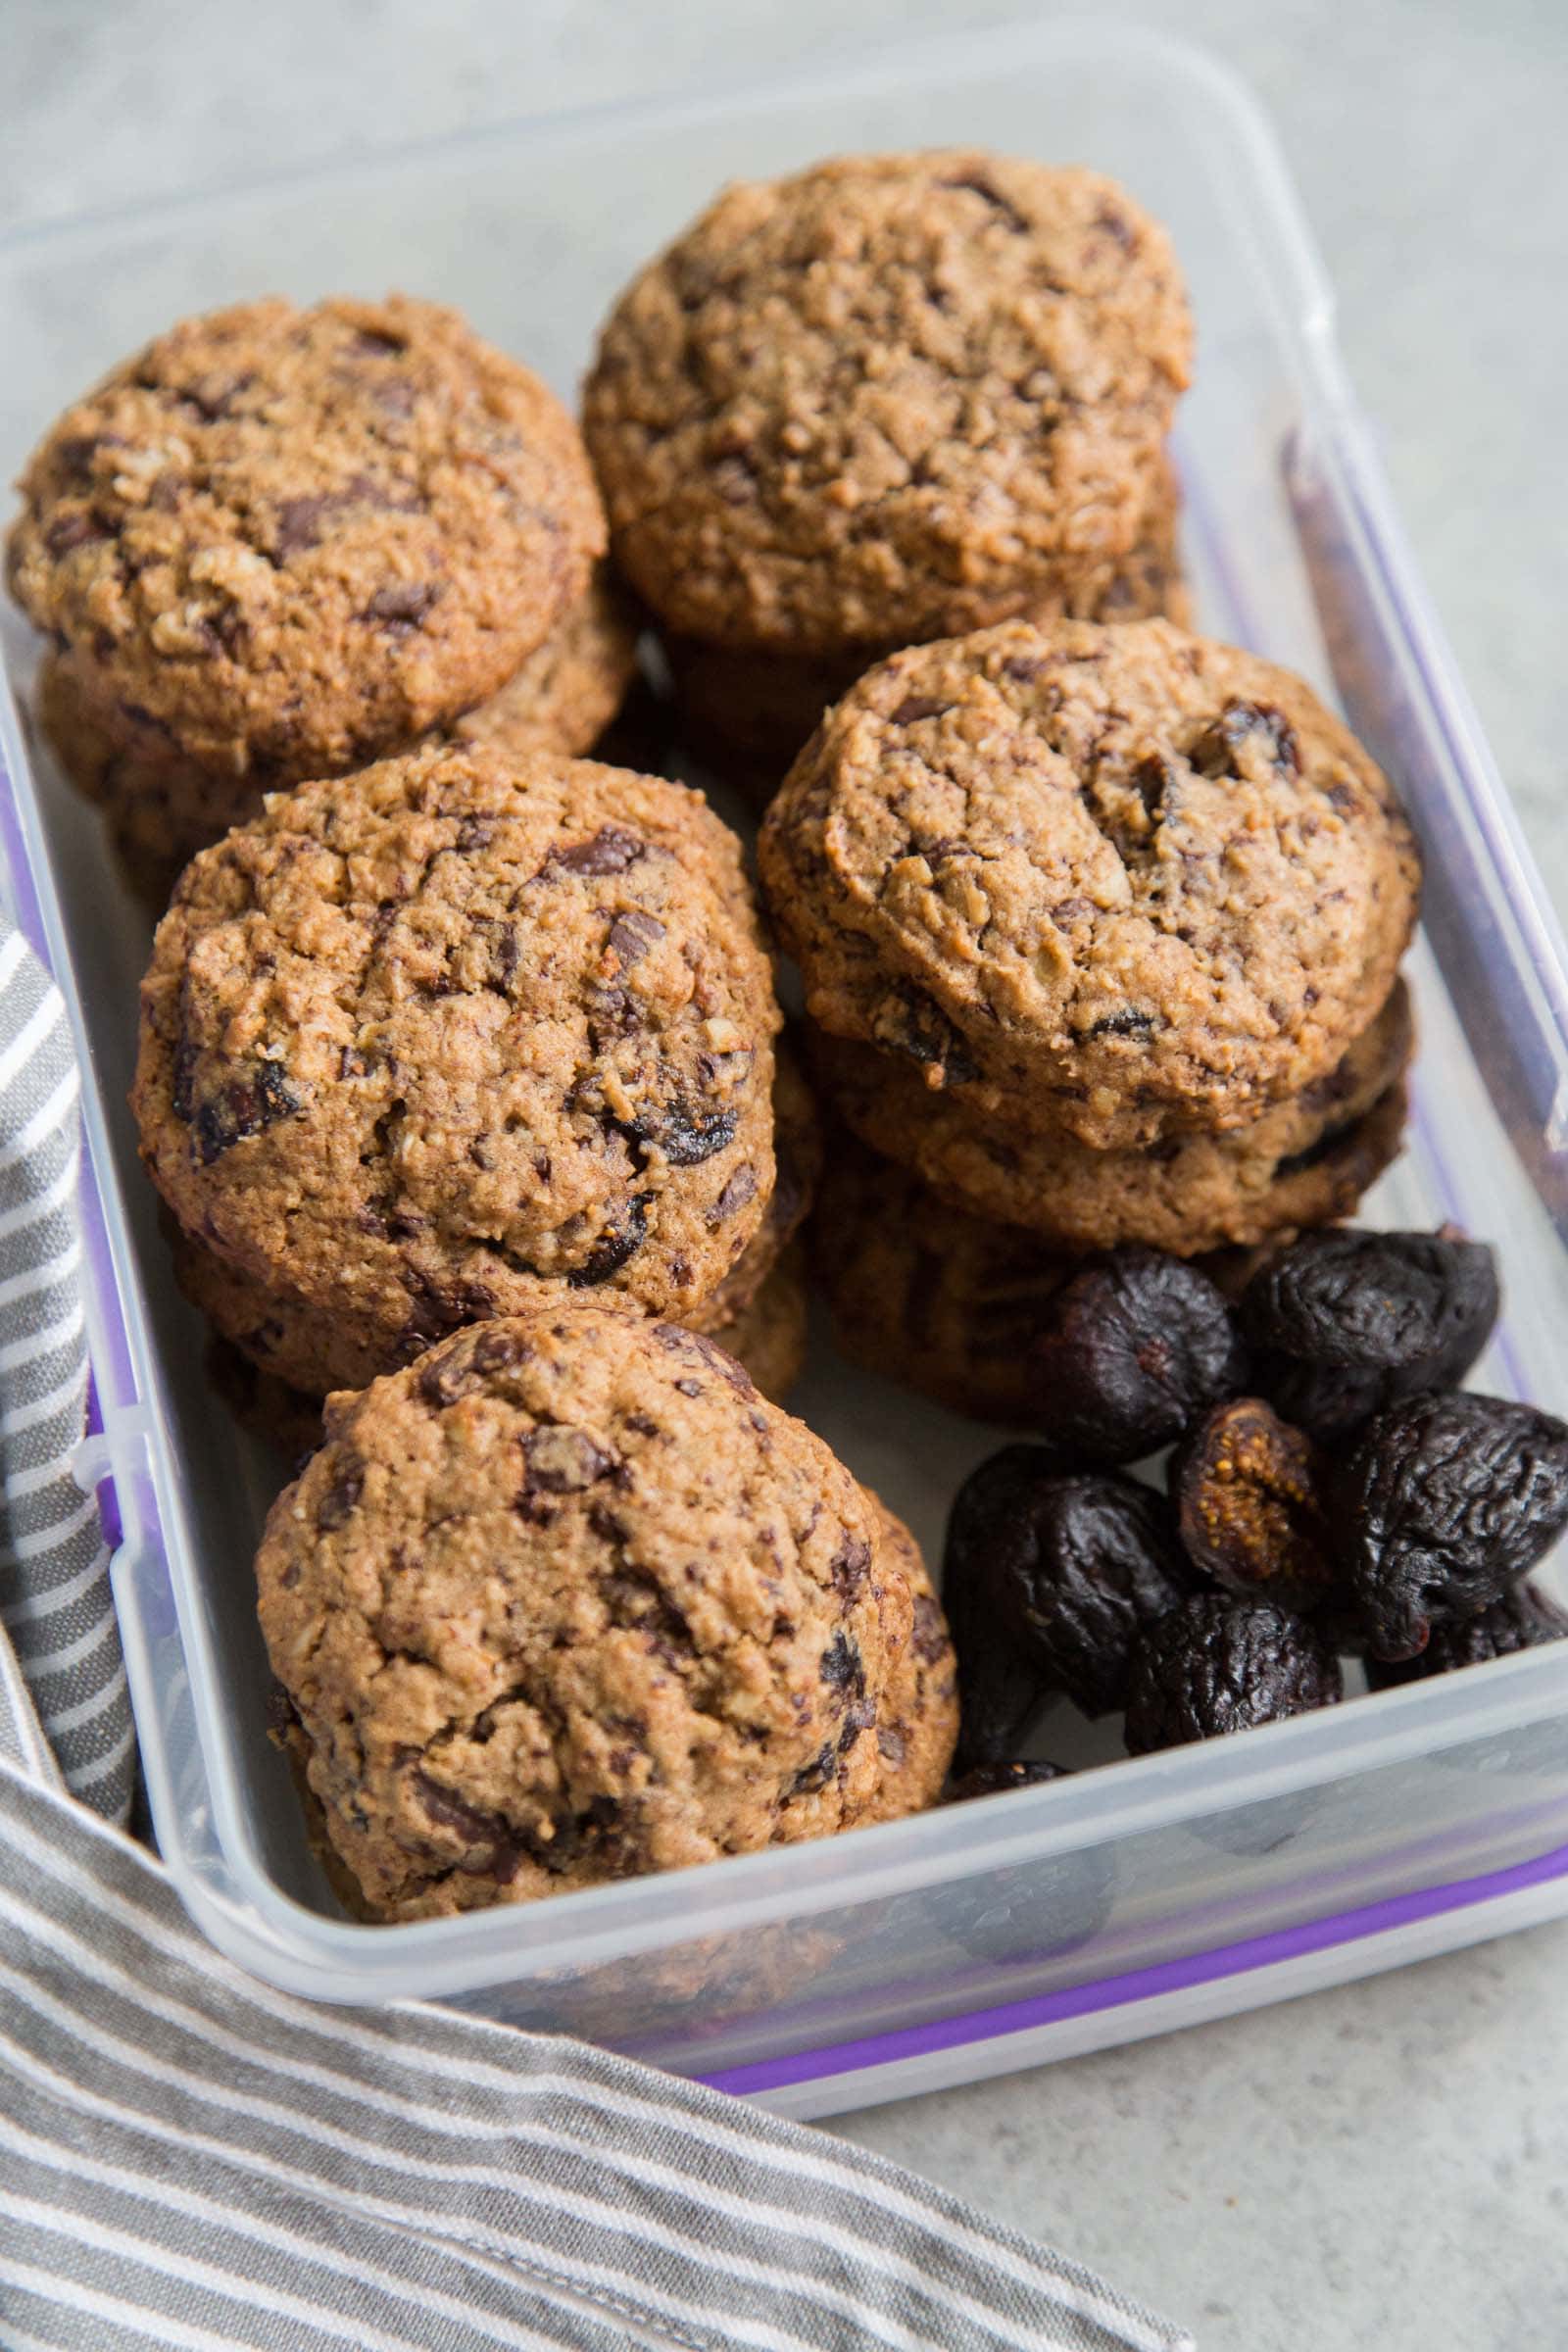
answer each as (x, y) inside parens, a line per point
(796, 1172)
(294, 538)
(162, 805)
(767, 1335)
(918, 1727)
(1303, 1162)
(884, 397)
(567, 1601)
(1148, 879)
(418, 1045)
(296, 1348)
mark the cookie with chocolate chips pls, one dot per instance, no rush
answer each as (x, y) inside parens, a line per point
(767, 1335)
(418, 1049)
(887, 398)
(279, 543)
(569, 1601)
(565, 695)
(1137, 880)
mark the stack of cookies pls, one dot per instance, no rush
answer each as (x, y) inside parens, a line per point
(486, 1018)
(279, 544)
(1100, 928)
(886, 400)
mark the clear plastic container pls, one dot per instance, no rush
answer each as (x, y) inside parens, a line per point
(1123, 1899)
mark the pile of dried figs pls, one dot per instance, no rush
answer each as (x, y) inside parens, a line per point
(1329, 1492)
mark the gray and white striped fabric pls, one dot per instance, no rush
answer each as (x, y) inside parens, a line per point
(54, 1564)
(190, 2158)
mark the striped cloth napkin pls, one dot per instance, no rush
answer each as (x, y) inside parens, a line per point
(54, 1564)
(190, 2158)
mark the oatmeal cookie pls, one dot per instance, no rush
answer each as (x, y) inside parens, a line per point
(890, 396)
(282, 541)
(766, 1337)
(758, 1312)
(418, 1046)
(746, 715)
(1142, 880)
(567, 1601)
(163, 809)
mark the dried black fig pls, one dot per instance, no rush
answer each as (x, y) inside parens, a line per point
(1344, 1323)
(1040, 1909)
(1097, 1561)
(1137, 1347)
(1031, 1911)
(1246, 1492)
(1523, 1619)
(1216, 1664)
(1447, 1501)
(1002, 1684)
(1049, 1579)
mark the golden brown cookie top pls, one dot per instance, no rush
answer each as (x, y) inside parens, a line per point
(1147, 878)
(885, 398)
(569, 1600)
(297, 538)
(417, 1042)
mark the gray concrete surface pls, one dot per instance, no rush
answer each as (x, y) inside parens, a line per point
(1386, 2165)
